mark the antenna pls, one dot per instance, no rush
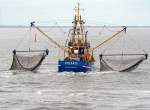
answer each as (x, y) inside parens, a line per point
(78, 18)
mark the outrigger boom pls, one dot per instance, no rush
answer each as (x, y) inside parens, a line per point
(47, 36)
(79, 56)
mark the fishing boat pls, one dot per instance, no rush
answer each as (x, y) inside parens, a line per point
(78, 53)
(78, 58)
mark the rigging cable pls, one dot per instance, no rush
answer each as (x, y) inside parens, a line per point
(109, 39)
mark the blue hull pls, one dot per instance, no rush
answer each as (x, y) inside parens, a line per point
(74, 66)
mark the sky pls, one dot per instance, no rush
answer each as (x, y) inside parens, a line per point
(96, 12)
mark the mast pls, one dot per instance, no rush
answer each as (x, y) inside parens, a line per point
(78, 26)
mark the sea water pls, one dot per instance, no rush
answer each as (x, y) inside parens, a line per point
(49, 90)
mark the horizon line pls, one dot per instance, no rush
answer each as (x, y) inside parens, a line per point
(66, 26)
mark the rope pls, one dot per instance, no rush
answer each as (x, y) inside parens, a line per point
(110, 38)
(60, 28)
(21, 40)
(138, 44)
(50, 39)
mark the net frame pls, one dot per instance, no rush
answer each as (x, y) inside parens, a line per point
(17, 65)
(104, 66)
